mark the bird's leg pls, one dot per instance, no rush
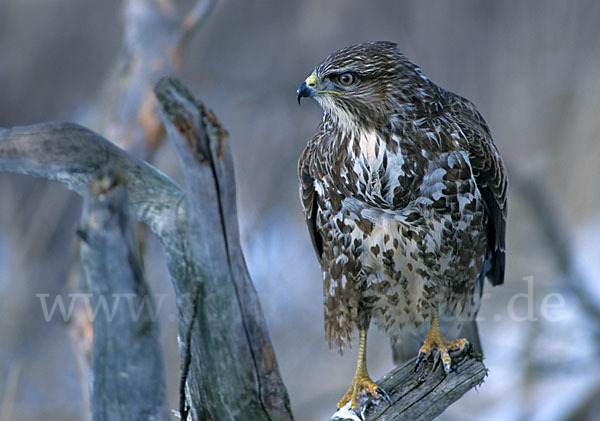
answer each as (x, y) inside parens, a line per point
(436, 341)
(362, 382)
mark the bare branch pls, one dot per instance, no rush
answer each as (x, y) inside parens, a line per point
(233, 370)
(154, 42)
(425, 393)
(72, 155)
(194, 18)
(242, 381)
(126, 354)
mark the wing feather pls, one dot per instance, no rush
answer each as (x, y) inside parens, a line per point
(309, 197)
(492, 182)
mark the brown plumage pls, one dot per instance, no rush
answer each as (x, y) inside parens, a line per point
(404, 194)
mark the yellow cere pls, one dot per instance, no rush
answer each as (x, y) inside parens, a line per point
(311, 81)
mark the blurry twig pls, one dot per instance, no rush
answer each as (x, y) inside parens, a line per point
(10, 392)
(533, 195)
(528, 376)
(194, 18)
(589, 406)
(153, 44)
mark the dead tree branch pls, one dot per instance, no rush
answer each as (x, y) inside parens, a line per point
(71, 155)
(126, 354)
(233, 372)
(425, 393)
(244, 381)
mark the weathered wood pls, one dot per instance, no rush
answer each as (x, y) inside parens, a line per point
(71, 155)
(128, 380)
(424, 393)
(242, 381)
(230, 367)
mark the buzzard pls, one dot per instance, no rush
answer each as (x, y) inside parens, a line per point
(404, 194)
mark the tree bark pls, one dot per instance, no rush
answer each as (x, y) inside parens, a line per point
(128, 375)
(229, 366)
(421, 394)
(241, 380)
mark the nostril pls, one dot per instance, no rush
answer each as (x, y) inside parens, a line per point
(312, 84)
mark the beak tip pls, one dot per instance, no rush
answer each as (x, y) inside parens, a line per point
(304, 91)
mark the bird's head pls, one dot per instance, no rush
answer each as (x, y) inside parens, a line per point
(366, 84)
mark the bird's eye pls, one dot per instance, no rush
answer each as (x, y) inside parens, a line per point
(346, 79)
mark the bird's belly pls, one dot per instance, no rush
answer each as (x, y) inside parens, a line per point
(395, 267)
(412, 267)
(391, 266)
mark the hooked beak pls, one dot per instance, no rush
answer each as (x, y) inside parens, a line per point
(308, 88)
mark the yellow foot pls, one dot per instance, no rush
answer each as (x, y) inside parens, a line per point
(436, 342)
(361, 384)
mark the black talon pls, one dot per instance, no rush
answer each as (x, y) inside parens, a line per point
(420, 359)
(384, 395)
(358, 414)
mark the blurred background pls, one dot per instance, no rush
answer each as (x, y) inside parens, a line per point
(530, 67)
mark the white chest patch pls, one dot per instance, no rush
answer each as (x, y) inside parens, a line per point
(370, 146)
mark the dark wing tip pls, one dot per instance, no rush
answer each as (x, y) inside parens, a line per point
(496, 274)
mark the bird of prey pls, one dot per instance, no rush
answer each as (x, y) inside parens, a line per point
(404, 194)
